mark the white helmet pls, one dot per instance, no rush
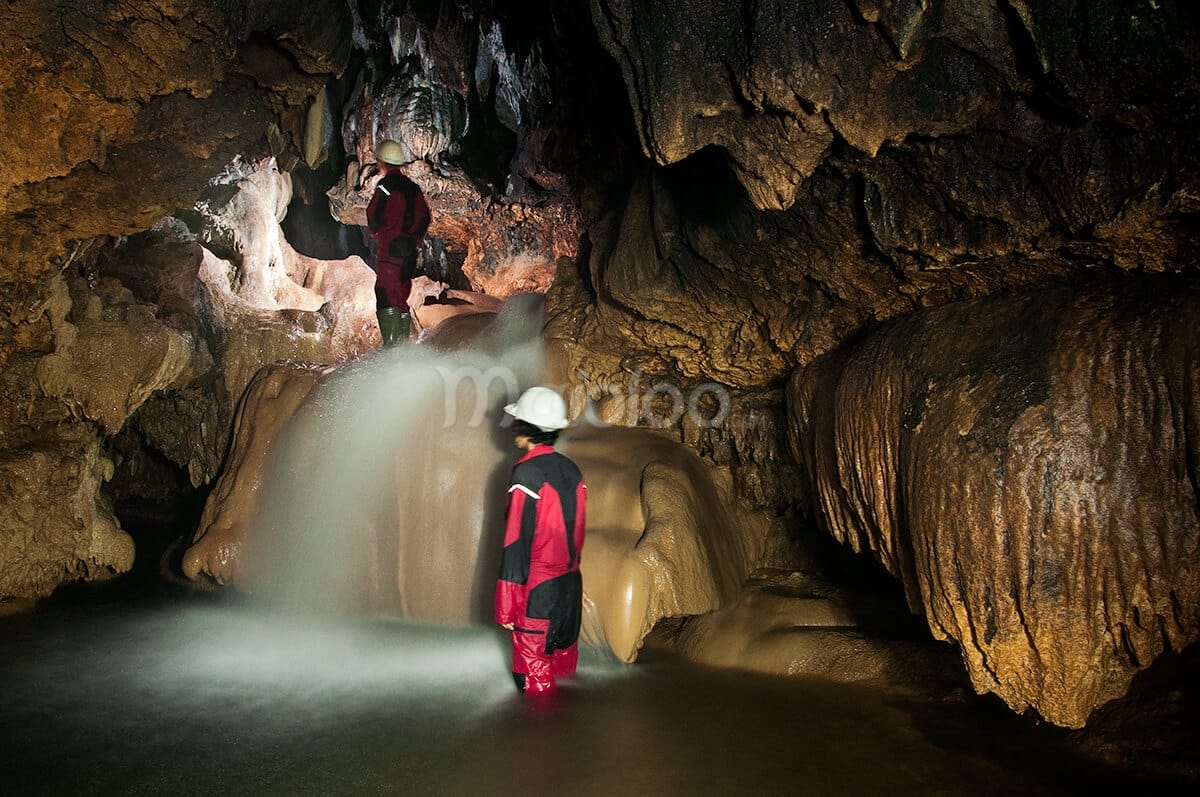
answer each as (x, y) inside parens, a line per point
(392, 153)
(541, 407)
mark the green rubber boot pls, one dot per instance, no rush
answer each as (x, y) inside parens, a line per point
(394, 325)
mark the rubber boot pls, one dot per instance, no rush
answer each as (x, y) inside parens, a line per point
(392, 325)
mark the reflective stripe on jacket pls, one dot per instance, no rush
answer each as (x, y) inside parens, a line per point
(397, 216)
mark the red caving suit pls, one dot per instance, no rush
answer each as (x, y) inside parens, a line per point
(540, 590)
(397, 216)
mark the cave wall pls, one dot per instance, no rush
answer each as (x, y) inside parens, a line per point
(824, 168)
(101, 96)
(1026, 465)
(466, 89)
(827, 166)
(117, 114)
(969, 148)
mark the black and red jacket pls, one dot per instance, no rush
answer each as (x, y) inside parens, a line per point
(543, 537)
(397, 216)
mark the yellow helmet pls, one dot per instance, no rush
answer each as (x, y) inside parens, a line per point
(392, 153)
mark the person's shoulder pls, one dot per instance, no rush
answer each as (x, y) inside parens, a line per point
(528, 474)
(398, 181)
(562, 464)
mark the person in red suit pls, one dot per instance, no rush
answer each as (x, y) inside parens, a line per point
(397, 216)
(539, 595)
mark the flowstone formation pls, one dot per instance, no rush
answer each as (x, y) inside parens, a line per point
(665, 537)
(825, 167)
(1027, 466)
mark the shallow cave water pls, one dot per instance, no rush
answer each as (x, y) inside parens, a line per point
(148, 688)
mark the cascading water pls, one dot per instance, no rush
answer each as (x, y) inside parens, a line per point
(386, 490)
(385, 495)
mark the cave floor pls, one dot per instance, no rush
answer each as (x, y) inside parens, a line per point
(197, 694)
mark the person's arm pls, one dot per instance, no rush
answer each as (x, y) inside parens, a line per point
(520, 524)
(377, 208)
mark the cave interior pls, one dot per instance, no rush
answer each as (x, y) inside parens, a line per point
(886, 303)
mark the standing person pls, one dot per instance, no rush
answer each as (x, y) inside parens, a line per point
(539, 596)
(397, 216)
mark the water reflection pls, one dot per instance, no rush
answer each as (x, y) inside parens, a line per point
(202, 699)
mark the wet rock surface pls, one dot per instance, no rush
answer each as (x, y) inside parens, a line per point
(1026, 466)
(144, 349)
(56, 528)
(816, 168)
(665, 536)
(117, 114)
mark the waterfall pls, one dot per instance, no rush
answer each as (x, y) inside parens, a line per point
(386, 491)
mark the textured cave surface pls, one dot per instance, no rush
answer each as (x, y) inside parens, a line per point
(1026, 465)
(722, 197)
(666, 537)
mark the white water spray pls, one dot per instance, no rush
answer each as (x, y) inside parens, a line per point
(386, 491)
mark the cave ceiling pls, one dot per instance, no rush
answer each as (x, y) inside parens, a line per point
(887, 156)
(809, 166)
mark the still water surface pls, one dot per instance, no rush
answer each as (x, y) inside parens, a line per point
(201, 697)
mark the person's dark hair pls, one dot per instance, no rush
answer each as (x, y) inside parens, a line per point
(535, 435)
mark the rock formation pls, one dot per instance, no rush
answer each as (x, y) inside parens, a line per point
(1027, 466)
(801, 623)
(723, 194)
(116, 114)
(664, 537)
(828, 167)
(441, 91)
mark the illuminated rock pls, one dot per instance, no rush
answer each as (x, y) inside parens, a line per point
(797, 624)
(665, 537)
(108, 359)
(1027, 467)
(270, 402)
(103, 100)
(419, 512)
(54, 527)
(503, 225)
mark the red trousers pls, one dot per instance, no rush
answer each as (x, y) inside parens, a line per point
(391, 289)
(531, 660)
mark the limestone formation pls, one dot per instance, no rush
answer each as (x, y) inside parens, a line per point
(503, 228)
(831, 165)
(110, 359)
(664, 538)
(117, 114)
(799, 624)
(271, 400)
(54, 526)
(1026, 466)
(96, 95)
